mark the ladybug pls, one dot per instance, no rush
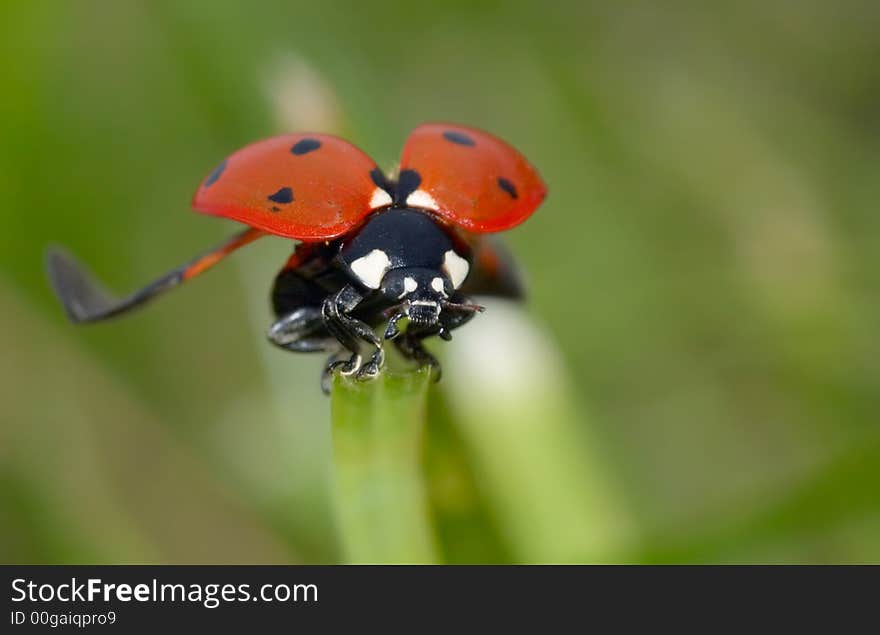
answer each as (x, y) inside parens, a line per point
(373, 250)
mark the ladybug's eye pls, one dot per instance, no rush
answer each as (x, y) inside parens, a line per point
(396, 285)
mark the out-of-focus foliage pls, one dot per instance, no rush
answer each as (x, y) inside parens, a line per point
(705, 274)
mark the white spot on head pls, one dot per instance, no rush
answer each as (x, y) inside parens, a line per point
(380, 198)
(456, 268)
(420, 198)
(409, 285)
(437, 285)
(370, 269)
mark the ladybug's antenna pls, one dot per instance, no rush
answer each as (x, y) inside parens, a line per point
(466, 307)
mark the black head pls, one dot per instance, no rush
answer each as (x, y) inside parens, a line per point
(409, 257)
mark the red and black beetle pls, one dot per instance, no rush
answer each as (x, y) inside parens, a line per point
(373, 250)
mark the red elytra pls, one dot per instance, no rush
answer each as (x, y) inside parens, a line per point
(316, 187)
(475, 180)
(307, 186)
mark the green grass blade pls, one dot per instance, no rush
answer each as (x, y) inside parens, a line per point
(554, 496)
(378, 448)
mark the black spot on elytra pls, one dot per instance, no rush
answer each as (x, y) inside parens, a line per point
(275, 208)
(304, 146)
(215, 174)
(284, 195)
(459, 137)
(407, 183)
(507, 186)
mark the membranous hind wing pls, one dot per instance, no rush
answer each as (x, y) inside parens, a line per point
(85, 299)
(494, 271)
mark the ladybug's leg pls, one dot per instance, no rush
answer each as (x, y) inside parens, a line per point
(333, 363)
(296, 300)
(351, 332)
(301, 331)
(455, 314)
(411, 347)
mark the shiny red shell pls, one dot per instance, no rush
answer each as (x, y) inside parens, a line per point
(311, 187)
(316, 187)
(473, 179)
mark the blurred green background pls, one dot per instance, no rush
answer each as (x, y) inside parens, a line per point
(705, 276)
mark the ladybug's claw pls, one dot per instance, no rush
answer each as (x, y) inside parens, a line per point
(371, 369)
(368, 371)
(412, 348)
(349, 368)
(346, 368)
(435, 368)
(433, 365)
